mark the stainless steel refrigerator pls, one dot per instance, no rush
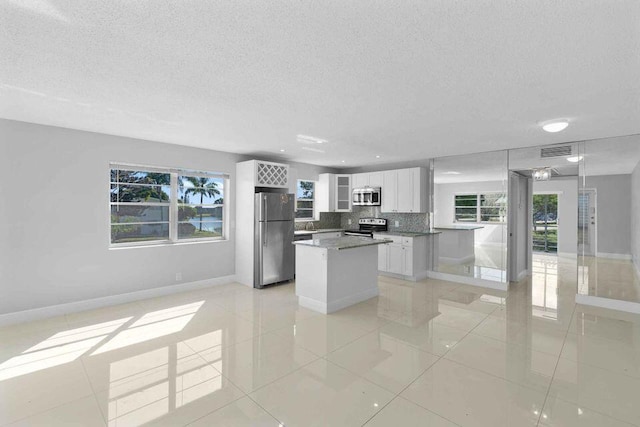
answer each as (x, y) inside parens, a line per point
(273, 243)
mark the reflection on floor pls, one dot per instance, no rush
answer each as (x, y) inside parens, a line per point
(421, 353)
(608, 278)
(490, 263)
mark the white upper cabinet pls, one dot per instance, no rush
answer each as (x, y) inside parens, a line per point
(369, 179)
(375, 179)
(403, 190)
(360, 180)
(343, 193)
(389, 191)
(333, 193)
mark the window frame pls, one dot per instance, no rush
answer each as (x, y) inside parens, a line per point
(478, 207)
(312, 200)
(173, 205)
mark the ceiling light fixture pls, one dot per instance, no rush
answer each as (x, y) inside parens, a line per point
(451, 173)
(556, 125)
(343, 161)
(377, 157)
(543, 174)
(282, 150)
(574, 159)
(306, 139)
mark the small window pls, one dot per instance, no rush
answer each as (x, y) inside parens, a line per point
(140, 203)
(200, 207)
(483, 207)
(152, 205)
(305, 200)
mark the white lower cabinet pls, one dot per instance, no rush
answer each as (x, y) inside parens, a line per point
(405, 256)
(396, 256)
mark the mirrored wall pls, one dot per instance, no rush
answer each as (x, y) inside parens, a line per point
(608, 220)
(470, 212)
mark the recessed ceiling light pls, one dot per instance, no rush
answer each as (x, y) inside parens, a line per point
(574, 159)
(377, 157)
(282, 150)
(555, 125)
(342, 161)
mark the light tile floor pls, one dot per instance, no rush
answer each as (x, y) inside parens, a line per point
(430, 353)
(608, 278)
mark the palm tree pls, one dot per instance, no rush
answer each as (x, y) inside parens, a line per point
(202, 187)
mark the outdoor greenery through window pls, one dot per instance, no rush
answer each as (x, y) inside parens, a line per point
(150, 205)
(482, 207)
(305, 195)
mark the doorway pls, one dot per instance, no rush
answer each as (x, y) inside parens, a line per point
(545, 223)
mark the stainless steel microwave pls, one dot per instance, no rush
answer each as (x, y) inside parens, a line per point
(367, 196)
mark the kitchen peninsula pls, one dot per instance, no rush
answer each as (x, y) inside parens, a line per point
(334, 273)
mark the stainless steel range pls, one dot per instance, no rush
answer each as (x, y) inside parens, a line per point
(368, 226)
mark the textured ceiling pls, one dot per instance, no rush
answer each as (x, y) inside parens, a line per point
(399, 79)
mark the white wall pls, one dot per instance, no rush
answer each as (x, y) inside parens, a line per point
(54, 218)
(635, 212)
(567, 210)
(613, 212)
(444, 208)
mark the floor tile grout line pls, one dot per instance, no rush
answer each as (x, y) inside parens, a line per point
(564, 341)
(93, 391)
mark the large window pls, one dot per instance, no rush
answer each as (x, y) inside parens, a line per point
(480, 207)
(153, 205)
(305, 196)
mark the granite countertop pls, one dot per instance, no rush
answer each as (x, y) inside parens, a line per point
(320, 230)
(407, 233)
(339, 243)
(459, 227)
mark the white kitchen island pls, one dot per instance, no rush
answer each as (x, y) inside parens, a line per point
(332, 274)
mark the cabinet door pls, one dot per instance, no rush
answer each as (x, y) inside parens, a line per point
(375, 179)
(382, 258)
(405, 190)
(389, 191)
(395, 259)
(407, 268)
(419, 190)
(359, 180)
(343, 193)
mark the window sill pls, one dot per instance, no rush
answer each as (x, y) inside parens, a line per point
(121, 246)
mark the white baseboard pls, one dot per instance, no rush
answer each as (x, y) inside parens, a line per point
(90, 304)
(612, 304)
(419, 276)
(465, 280)
(333, 306)
(613, 256)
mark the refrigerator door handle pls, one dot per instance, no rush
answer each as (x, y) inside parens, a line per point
(266, 220)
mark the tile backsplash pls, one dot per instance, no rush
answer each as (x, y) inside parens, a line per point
(406, 221)
(327, 220)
